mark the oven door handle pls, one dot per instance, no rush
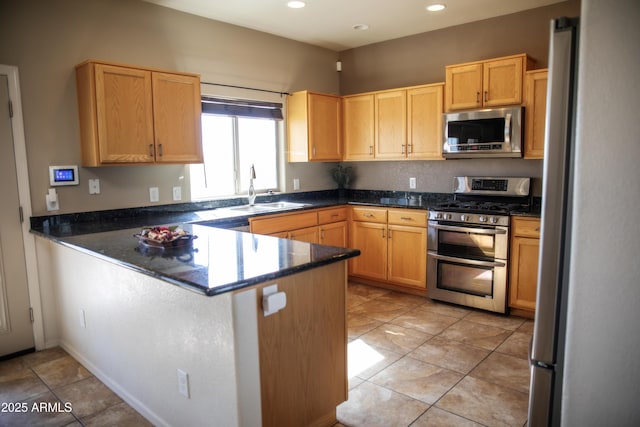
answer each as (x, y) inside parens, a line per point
(467, 261)
(468, 229)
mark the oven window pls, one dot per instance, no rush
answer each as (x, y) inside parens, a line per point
(463, 244)
(467, 279)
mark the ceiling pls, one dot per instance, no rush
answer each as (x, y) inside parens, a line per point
(329, 23)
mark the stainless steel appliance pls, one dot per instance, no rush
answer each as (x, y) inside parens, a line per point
(553, 277)
(468, 241)
(495, 132)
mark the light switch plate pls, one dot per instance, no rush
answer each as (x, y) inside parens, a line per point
(177, 193)
(154, 194)
(412, 183)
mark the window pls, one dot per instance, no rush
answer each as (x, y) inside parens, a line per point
(236, 135)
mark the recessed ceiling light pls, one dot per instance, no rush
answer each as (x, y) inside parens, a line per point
(435, 7)
(296, 4)
(360, 27)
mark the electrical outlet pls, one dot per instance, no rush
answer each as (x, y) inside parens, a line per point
(183, 383)
(296, 184)
(94, 186)
(412, 183)
(154, 194)
(177, 193)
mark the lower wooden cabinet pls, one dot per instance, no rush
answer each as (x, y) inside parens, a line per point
(393, 245)
(523, 265)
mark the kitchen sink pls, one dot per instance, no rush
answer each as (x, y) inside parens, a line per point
(268, 207)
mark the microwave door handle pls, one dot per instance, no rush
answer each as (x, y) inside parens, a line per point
(467, 261)
(467, 229)
(507, 128)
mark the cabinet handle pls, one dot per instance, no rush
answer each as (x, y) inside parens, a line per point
(368, 215)
(402, 151)
(389, 234)
(410, 148)
(486, 95)
(537, 228)
(160, 150)
(371, 150)
(150, 150)
(313, 151)
(406, 218)
(383, 236)
(335, 215)
(322, 234)
(477, 97)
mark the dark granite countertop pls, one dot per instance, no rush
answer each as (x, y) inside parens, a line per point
(216, 262)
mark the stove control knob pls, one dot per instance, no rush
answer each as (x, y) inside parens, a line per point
(482, 218)
(447, 216)
(464, 217)
(493, 220)
(438, 215)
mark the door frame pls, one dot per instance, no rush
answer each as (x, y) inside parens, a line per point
(24, 198)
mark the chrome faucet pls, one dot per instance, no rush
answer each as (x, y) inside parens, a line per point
(252, 191)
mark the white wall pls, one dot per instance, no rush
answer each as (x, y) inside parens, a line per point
(602, 370)
(140, 330)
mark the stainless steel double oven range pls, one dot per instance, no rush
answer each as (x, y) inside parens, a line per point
(468, 241)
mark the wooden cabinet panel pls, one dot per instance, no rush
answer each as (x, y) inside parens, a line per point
(358, 127)
(415, 218)
(424, 122)
(371, 239)
(283, 222)
(309, 234)
(523, 264)
(491, 83)
(314, 127)
(326, 216)
(369, 214)
(177, 109)
(124, 111)
(463, 86)
(535, 102)
(390, 124)
(303, 350)
(407, 255)
(502, 82)
(334, 234)
(131, 115)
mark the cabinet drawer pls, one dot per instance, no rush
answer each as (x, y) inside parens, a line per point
(326, 216)
(369, 214)
(526, 227)
(408, 217)
(284, 222)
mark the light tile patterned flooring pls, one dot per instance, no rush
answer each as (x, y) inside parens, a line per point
(417, 362)
(412, 362)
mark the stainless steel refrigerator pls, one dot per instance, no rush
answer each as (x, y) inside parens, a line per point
(547, 345)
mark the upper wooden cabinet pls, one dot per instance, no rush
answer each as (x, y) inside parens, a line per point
(394, 124)
(359, 129)
(535, 102)
(314, 127)
(132, 115)
(490, 83)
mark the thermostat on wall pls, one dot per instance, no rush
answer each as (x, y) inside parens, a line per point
(63, 175)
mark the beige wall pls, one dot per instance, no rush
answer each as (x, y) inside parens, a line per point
(46, 39)
(422, 59)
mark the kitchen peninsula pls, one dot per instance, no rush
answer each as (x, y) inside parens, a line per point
(183, 337)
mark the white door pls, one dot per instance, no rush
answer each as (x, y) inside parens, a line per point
(16, 332)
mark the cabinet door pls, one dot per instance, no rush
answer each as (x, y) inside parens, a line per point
(371, 239)
(358, 127)
(524, 273)
(124, 109)
(334, 234)
(535, 101)
(424, 122)
(463, 89)
(502, 82)
(407, 255)
(309, 234)
(390, 125)
(177, 111)
(325, 131)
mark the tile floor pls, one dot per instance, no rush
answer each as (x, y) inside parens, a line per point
(412, 362)
(45, 381)
(417, 362)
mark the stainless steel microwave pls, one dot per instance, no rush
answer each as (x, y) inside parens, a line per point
(495, 132)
